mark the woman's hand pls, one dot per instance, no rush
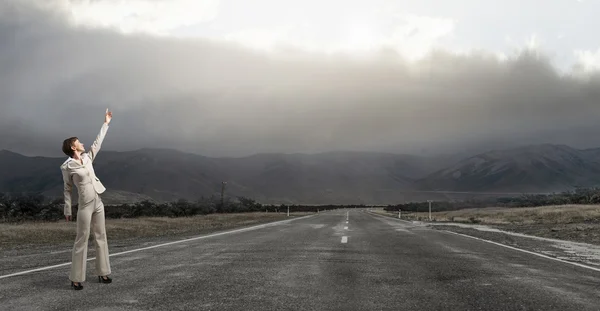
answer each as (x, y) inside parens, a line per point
(108, 116)
(68, 218)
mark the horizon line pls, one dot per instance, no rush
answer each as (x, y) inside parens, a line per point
(308, 153)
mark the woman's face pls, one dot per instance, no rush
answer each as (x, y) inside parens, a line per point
(78, 146)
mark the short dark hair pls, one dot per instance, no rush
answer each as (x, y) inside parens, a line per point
(67, 144)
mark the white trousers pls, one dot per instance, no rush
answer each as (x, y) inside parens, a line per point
(90, 216)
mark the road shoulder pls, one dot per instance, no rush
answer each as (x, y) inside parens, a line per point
(576, 252)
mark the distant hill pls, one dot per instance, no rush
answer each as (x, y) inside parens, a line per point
(21, 174)
(325, 178)
(328, 177)
(536, 168)
(164, 175)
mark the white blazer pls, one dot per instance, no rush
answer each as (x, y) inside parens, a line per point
(83, 175)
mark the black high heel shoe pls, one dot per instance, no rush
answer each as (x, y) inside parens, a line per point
(76, 287)
(104, 279)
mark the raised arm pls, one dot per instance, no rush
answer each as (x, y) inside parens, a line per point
(67, 190)
(98, 142)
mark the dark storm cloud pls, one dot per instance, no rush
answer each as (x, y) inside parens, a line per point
(219, 99)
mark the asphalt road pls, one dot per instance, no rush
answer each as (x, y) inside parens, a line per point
(321, 262)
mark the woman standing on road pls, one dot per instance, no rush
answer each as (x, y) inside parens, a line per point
(78, 170)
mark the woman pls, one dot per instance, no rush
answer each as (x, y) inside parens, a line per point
(78, 170)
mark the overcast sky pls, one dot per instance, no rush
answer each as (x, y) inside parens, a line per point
(233, 78)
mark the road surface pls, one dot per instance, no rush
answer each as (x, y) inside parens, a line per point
(339, 260)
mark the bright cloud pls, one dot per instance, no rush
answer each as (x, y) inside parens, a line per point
(412, 28)
(135, 16)
(588, 60)
(416, 35)
(412, 36)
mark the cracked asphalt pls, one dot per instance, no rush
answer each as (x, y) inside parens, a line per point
(384, 264)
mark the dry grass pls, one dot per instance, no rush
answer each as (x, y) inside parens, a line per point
(580, 223)
(563, 214)
(40, 233)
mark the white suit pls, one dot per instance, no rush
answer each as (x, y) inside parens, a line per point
(90, 214)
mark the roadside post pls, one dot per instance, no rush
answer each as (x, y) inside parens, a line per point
(429, 209)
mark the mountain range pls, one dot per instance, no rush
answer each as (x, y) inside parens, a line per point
(324, 178)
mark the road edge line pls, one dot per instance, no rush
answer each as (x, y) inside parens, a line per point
(389, 216)
(525, 251)
(499, 244)
(164, 244)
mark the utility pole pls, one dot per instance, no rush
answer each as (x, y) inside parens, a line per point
(223, 195)
(429, 209)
